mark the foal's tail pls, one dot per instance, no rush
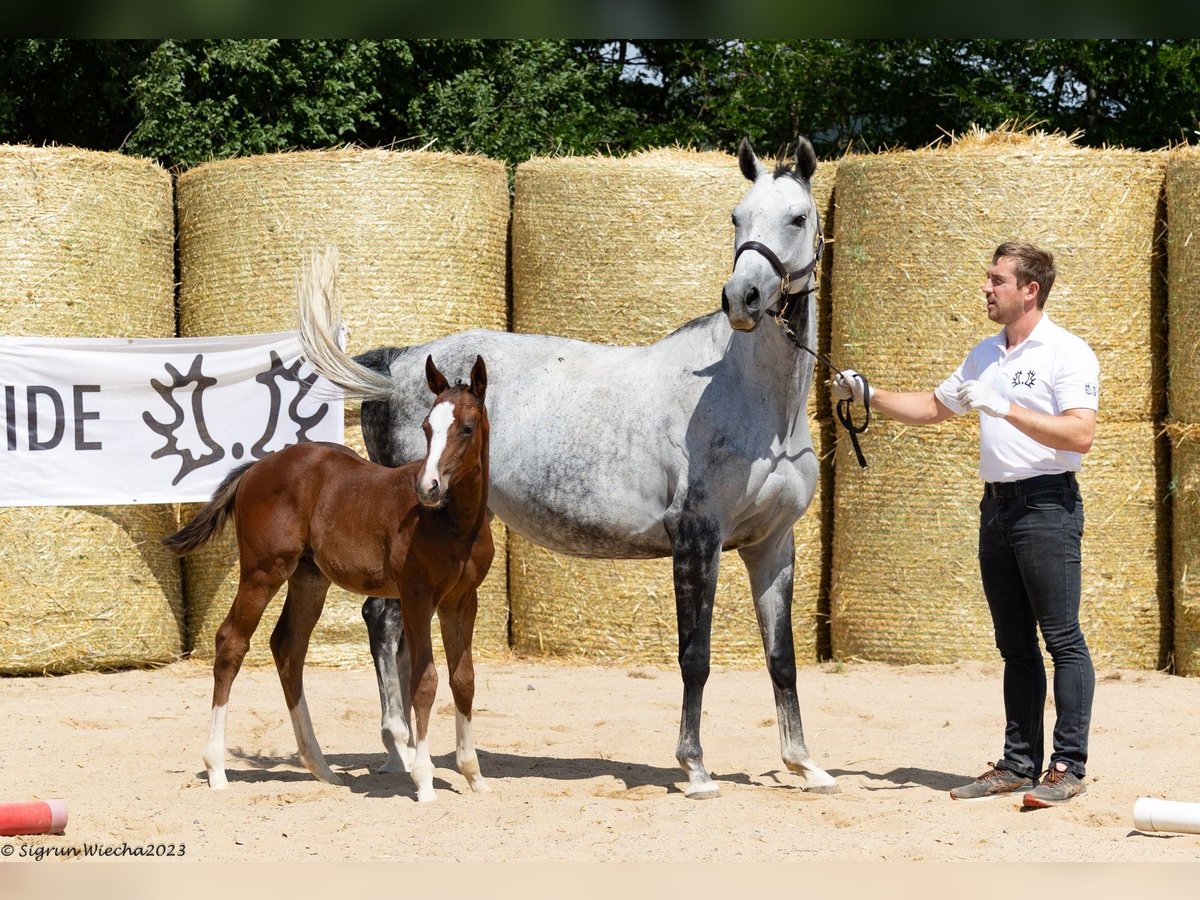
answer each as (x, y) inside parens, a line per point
(209, 520)
(320, 319)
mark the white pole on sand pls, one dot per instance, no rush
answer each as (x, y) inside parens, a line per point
(1151, 814)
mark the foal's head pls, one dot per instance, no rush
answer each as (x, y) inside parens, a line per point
(456, 432)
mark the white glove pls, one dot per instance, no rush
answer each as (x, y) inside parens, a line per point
(979, 396)
(847, 384)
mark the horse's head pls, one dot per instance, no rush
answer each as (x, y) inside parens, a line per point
(456, 432)
(776, 236)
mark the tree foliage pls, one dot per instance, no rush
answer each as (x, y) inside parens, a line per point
(186, 101)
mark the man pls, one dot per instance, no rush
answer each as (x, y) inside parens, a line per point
(1036, 386)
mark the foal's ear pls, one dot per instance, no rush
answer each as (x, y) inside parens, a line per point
(748, 161)
(479, 378)
(806, 158)
(435, 379)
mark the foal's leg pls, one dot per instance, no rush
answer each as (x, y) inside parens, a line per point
(458, 625)
(233, 640)
(289, 645)
(393, 672)
(771, 566)
(697, 556)
(417, 613)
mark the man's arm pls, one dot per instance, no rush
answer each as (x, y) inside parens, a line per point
(1073, 429)
(909, 407)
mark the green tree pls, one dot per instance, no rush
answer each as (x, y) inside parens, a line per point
(200, 100)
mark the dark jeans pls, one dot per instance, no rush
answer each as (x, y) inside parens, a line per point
(1029, 539)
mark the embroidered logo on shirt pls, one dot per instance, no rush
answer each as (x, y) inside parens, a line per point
(1021, 377)
(1091, 390)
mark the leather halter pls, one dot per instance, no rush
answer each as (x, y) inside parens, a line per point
(791, 284)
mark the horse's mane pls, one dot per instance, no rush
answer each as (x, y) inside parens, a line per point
(788, 170)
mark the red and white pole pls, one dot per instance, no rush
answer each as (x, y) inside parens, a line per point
(33, 817)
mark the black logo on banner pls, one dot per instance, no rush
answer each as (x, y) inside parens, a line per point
(213, 451)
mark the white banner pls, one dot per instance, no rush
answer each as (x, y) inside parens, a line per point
(114, 420)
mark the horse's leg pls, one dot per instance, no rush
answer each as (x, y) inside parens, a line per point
(697, 556)
(458, 624)
(393, 672)
(233, 640)
(417, 613)
(771, 567)
(307, 588)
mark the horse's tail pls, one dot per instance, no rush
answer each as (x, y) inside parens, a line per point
(209, 520)
(320, 320)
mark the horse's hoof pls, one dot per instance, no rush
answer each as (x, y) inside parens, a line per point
(426, 796)
(217, 784)
(479, 786)
(393, 767)
(707, 791)
(833, 788)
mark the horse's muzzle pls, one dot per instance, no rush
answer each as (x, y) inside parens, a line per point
(742, 308)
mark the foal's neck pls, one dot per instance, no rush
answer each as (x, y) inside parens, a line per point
(466, 501)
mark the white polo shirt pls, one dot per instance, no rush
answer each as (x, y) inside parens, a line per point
(1050, 371)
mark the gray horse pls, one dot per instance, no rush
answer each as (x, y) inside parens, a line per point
(684, 448)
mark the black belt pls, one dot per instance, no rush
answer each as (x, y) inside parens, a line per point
(1001, 490)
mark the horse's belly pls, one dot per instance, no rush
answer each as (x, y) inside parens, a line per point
(600, 531)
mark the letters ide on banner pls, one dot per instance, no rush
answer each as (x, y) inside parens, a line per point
(107, 421)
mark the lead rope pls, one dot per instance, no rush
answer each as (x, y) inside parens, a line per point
(845, 407)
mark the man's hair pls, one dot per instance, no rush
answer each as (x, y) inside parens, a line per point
(1030, 263)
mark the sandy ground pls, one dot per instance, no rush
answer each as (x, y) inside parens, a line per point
(581, 761)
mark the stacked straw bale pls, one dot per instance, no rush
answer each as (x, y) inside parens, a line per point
(86, 250)
(1183, 271)
(624, 251)
(422, 239)
(916, 231)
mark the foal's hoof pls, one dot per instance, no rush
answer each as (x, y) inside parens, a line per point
(707, 791)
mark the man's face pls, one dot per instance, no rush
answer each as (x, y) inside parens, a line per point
(1006, 301)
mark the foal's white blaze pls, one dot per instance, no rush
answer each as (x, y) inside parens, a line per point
(214, 751)
(440, 420)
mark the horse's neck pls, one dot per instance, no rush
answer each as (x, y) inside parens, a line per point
(768, 356)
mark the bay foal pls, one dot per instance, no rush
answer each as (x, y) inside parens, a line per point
(317, 513)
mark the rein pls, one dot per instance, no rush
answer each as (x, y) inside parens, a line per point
(789, 301)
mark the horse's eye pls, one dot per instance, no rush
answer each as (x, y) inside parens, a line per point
(468, 429)
(799, 221)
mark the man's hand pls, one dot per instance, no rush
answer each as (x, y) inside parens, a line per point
(848, 384)
(978, 396)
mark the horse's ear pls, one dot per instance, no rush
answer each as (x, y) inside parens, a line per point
(435, 379)
(748, 161)
(479, 378)
(806, 158)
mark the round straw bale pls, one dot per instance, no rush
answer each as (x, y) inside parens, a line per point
(623, 610)
(1185, 543)
(422, 240)
(86, 250)
(904, 581)
(1183, 272)
(916, 231)
(624, 251)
